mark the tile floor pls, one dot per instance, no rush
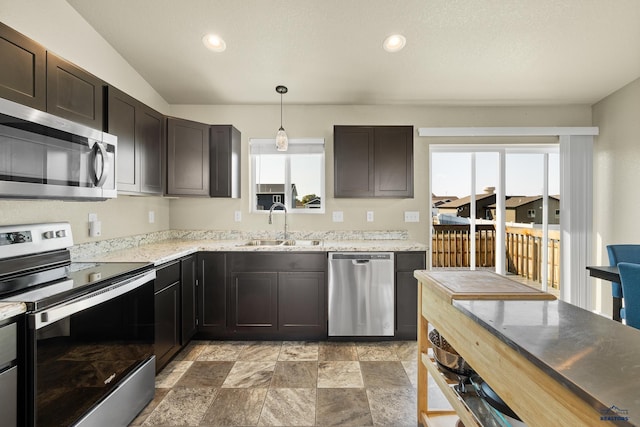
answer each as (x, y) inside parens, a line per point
(272, 383)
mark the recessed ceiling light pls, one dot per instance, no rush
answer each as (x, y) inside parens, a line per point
(394, 43)
(214, 42)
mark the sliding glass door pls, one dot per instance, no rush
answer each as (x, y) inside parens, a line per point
(497, 207)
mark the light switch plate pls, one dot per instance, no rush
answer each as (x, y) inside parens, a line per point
(412, 216)
(338, 216)
(93, 217)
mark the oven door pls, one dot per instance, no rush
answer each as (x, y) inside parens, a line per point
(83, 351)
(44, 156)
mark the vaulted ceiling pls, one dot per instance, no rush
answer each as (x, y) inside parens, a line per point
(458, 52)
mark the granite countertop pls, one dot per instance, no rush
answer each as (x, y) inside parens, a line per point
(10, 309)
(595, 357)
(168, 250)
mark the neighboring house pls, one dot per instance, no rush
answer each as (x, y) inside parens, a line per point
(314, 203)
(268, 194)
(437, 201)
(528, 209)
(462, 207)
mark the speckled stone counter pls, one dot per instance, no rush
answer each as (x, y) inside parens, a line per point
(11, 309)
(597, 358)
(163, 251)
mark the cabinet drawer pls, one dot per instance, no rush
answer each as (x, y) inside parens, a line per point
(167, 275)
(8, 343)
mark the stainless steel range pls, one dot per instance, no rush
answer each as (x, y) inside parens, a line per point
(89, 331)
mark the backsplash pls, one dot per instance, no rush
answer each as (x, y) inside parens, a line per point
(91, 249)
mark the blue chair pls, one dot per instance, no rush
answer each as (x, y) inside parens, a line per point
(618, 254)
(630, 278)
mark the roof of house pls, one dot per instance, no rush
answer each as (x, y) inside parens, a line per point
(274, 189)
(513, 202)
(465, 201)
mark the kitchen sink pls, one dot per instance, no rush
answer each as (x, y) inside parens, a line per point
(264, 243)
(301, 242)
(282, 243)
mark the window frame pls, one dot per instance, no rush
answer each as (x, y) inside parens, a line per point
(297, 147)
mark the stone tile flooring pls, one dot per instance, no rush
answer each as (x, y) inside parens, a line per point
(229, 383)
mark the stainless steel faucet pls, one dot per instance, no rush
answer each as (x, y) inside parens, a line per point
(273, 206)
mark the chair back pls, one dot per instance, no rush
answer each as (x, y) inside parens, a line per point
(630, 278)
(618, 254)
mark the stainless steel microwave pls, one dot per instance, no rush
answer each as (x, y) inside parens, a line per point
(43, 156)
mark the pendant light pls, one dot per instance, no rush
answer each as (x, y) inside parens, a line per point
(282, 141)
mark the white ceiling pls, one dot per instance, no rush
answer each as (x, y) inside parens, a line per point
(471, 52)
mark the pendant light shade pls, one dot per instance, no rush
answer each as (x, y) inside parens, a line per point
(282, 141)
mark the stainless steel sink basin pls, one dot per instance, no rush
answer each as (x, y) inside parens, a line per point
(264, 243)
(282, 243)
(302, 242)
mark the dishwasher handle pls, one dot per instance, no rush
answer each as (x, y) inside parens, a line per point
(361, 262)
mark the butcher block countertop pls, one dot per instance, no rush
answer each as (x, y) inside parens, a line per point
(479, 285)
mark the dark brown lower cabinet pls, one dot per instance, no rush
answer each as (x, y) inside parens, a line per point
(407, 293)
(254, 302)
(167, 314)
(302, 303)
(212, 294)
(189, 296)
(266, 295)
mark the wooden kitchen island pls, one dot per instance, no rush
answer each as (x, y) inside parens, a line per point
(554, 364)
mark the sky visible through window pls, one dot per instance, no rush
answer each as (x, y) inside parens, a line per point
(451, 173)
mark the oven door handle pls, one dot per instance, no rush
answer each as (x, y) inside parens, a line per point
(47, 317)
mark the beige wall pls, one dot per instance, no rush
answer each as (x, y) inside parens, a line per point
(302, 121)
(616, 174)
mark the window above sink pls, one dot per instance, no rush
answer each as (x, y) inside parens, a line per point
(295, 177)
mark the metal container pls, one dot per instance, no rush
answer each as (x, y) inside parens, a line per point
(446, 355)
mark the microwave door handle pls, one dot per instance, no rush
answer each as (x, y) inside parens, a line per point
(99, 180)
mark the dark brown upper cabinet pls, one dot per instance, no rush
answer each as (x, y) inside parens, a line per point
(224, 161)
(23, 72)
(373, 161)
(140, 132)
(73, 93)
(187, 158)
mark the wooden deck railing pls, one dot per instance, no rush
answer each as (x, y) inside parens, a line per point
(451, 247)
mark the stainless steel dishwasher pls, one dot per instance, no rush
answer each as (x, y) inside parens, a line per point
(361, 296)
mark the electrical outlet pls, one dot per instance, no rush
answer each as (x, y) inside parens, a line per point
(369, 216)
(152, 217)
(338, 216)
(93, 217)
(412, 216)
(237, 216)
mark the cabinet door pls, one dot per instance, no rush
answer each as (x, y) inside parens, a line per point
(353, 153)
(23, 71)
(302, 312)
(254, 302)
(189, 298)
(73, 93)
(187, 158)
(407, 293)
(224, 161)
(121, 121)
(212, 297)
(393, 161)
(150, 140)
(167, 312)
